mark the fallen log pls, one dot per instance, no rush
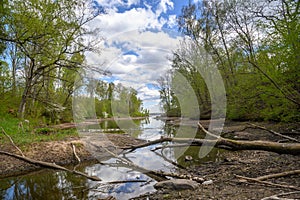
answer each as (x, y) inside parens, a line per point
(281, 148)
(49, 165)
(229, 144)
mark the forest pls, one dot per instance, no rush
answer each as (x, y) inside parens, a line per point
(43, 47)
(256, 48)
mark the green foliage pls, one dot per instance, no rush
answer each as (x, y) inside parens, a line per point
(173, 112)
(27, 135)
(261, 74)
(44, 40)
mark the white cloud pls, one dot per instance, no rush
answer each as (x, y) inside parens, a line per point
(115, 3)
(114, 23)
(172, 22)
(164, 6)
(136, 47)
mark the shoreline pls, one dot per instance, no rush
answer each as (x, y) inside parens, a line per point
(87, 122)
(58, 152)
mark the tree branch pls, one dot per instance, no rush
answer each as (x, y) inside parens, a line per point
(268, 183)
(75, 154)
(277, 175)
(12, 142)
(281, 148)
(274, 132)
(49, 165)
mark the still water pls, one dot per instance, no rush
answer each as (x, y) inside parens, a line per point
(50, 184)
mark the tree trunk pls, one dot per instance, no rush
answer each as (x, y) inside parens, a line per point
(25, 94)
(281, 148)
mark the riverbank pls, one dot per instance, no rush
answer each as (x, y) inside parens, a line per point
(59, 152)
(93, 122)
(225, 184)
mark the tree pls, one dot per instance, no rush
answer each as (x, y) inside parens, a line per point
(256, 48)
(49, 34)
(168, 99)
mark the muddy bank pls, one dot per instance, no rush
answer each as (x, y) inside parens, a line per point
(59, 152)
(225, 185)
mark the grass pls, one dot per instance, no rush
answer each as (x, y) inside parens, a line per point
(28, 134)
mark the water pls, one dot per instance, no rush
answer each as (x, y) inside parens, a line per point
(50, 184)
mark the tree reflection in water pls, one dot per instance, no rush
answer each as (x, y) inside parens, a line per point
(49, 184)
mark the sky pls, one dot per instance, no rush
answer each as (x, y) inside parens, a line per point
(139, 37)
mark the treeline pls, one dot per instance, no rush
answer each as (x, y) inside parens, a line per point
(255, 46)
(42, 51)
(109, 100)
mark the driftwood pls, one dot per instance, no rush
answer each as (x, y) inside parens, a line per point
(274, 132)
(41, 163)
(75, 154)
(268, 183)
(156, 175)
(49, 165)
(281, 148)
(278, 175)
(220, 142)
(12, 142)
(261, 179)
(277, 196)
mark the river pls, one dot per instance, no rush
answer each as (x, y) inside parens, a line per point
(51, 184)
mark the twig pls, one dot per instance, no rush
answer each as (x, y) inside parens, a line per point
(282, 174)
(268, 183)
(173, 146)
(49, 165)
(75, 154)
(278, 195)
(114, 183)
(12, 142)
(274, 132)
(169, 161)
(150, 173)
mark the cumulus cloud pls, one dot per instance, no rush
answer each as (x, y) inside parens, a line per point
(116, 3)
(137, 48)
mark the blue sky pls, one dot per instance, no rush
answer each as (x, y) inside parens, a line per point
(139, 36)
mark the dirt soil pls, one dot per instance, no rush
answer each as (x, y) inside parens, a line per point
(225, 184)
(59, 152)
